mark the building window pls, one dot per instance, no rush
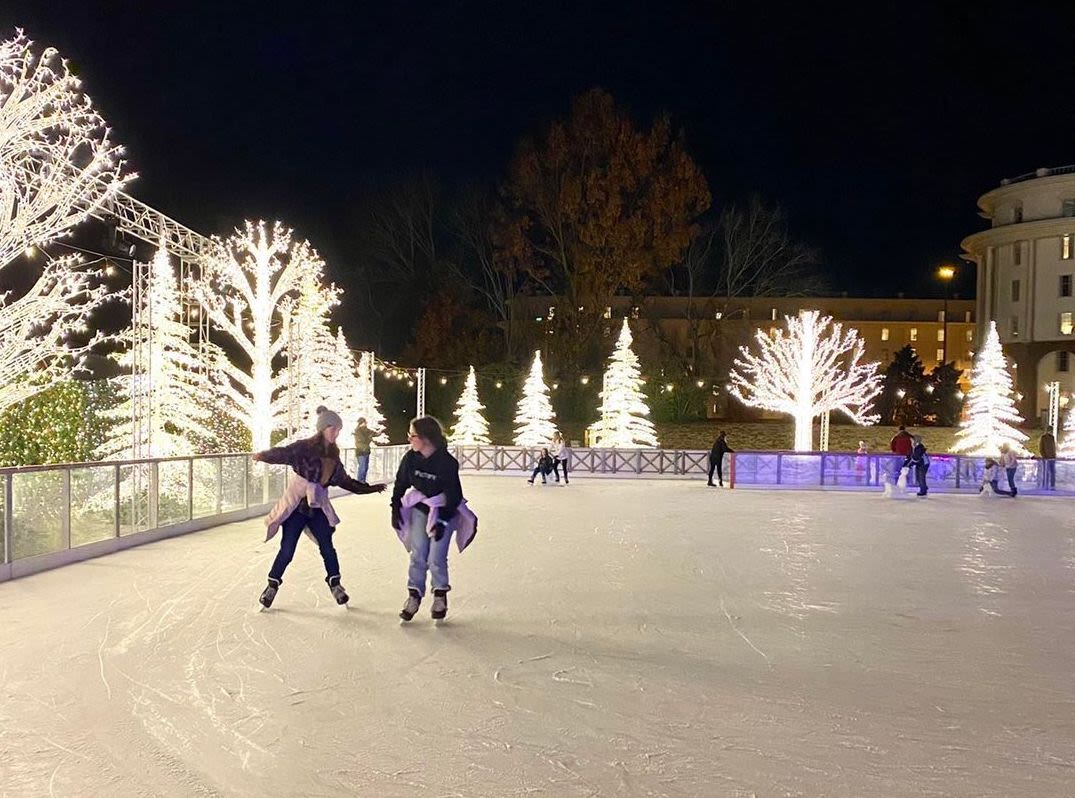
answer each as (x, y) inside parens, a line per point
(1068, 208)
(1017, 213)
(1017, 253)
(1067, 325)
(940, 317)
(773, 314)
(552, 312)
(884, 333)
(608, 312)
(1065, 246)
(1015, 290)
(1062, 364)
(940, 356)
(914, 333)
(1015, 326)
(940, 335)
(966, 317)
(1065, 285)
(970, 336)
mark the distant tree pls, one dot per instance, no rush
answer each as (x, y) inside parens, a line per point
(598, 206)
(903, 392)
(944, 399)
(450, 334)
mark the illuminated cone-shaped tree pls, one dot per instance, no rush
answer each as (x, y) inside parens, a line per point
(57, 166)
(167, 387)
(534, 414)
(244, 289)
(990, 418)
(368, 406)
(810, 368)
(623, 409)
(1067, 437)
(314, 368)
(471, 428)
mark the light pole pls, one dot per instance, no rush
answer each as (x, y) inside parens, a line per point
(945, 275)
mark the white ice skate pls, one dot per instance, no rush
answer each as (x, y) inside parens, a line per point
(899, 490)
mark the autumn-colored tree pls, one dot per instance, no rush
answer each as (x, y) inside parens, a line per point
(598, 207)
(450, 333)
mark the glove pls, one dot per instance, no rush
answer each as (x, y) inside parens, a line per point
(378, 488)
(437, 532)
(397, 518)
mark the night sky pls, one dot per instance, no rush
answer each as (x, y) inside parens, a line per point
(876, 130)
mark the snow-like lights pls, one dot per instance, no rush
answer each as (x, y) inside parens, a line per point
(990, 417)
(534, 414)
(471, 428)
(623, 422)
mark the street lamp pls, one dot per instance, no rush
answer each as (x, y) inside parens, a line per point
(945, 275)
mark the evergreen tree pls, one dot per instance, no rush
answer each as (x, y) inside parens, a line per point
(170, 387)
(1067, 436)
(471, 428)
(944, 399)
(534, 414)
(624, 422)
(903, 396)
(990, 415)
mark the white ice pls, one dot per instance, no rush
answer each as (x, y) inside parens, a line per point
(611, 638)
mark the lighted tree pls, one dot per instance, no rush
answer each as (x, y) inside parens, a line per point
(989, 415)
(313, 369)
(368, 406)
(57, 165)
(534, 414)
(167, 387)
(244, 289)
(811, 367)
(624, 422)
(1067, 440)
(57, 162)
(471, 428)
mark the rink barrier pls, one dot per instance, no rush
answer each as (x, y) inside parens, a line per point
(58, 514)
(769, 469)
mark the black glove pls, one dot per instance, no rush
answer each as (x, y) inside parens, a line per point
(397, 518)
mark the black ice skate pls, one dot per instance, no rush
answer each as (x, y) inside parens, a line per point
(414, 600)
(269, 593)
(440, 604)
(337, 589)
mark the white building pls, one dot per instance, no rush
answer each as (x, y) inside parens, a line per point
(1026, 268)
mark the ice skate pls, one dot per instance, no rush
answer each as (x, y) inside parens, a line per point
(338, 591)
(269, 593)
(440, 605)
(414, 601)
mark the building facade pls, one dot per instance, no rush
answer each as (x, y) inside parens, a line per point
(1026, 267)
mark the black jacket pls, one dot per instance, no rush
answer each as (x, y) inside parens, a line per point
(545, 464)
(720, 448)
(917, 457)
(439, 473)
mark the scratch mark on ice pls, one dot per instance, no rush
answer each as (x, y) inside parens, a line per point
(101, 659)
(740, 633)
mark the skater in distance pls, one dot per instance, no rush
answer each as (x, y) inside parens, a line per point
(716, 459)
(561, 454)
(427, 507)
(544, 467)
(305, 506)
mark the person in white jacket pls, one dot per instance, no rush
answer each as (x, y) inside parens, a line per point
(1009, 462)
(561, 453)
(991, 476)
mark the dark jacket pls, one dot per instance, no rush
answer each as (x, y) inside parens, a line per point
(1047, 446)
(720, 448)
(306, 460)
(363, 436)
(917, 457)
(438, 473)
(545, 464)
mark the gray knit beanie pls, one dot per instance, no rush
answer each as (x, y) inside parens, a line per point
(326, 418)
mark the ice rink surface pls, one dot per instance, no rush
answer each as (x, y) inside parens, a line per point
(611, 638)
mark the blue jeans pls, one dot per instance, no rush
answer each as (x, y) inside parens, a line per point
(427, 555)
(1049, 474)
(363, 467)
(1011, 480)
(289, 539)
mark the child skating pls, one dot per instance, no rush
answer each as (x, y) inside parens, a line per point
(427, 507)
(315, 466)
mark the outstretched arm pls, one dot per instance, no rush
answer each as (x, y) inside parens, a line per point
(341, 479)
(278, 455)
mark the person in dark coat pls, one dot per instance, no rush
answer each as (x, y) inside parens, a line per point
(316, 461)
(716, 459)
(544, 467)
(920, 460)
(363, 439)
(1047, 451)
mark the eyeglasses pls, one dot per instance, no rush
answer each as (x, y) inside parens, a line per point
(412, 436)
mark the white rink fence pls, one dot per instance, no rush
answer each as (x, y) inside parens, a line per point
(55, 515)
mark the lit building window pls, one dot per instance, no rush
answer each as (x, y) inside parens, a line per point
(940, 335)
(1065, 246)
(1065, 285)
(970, 336)
(940, 317)
(773, 316)
(1066, 323)
(1015, 326)
(914, 333)
(884, 333)
(940, 355)
(966, 317)
(608, 312)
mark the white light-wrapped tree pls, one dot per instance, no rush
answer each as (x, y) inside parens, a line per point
(624, 423)
(313, 368)
(471, 428)
(57, 164)
(243, 289)
(811, 367)
(168, 387)
(534, 414)
(368, 406)
(989, 415)
(1067, 437)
